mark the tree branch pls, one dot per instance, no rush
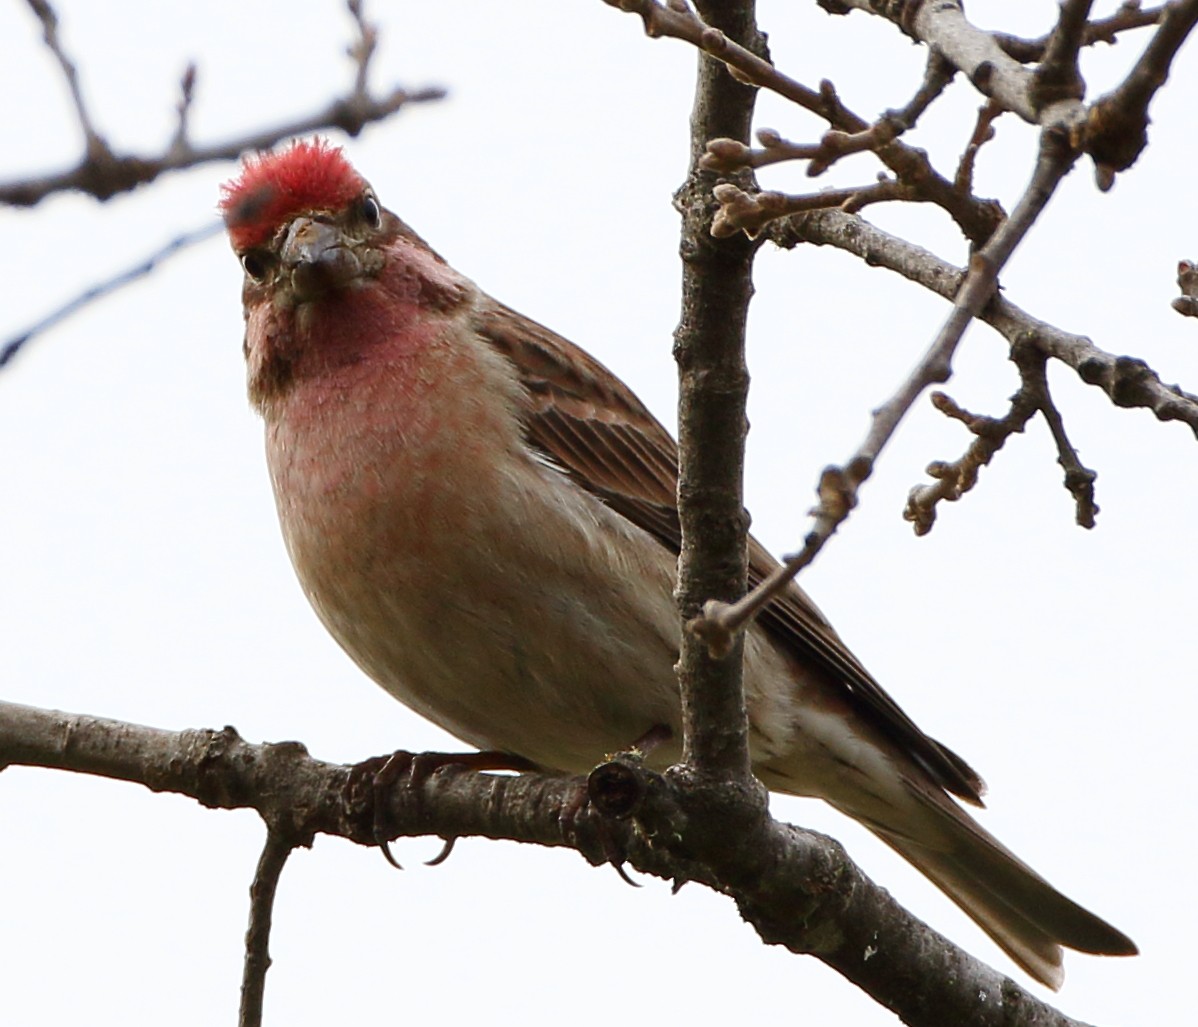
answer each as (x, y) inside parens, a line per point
(955, 478)
(728, 155)
(838, 486)
(109, 285)
(751, 212)
(1128, 381)
(1113, 130)
(103, 173)
(713, 383)
(1117, 127)
(257, 938)
(797, 888)
(976, 218)
(1130, 15)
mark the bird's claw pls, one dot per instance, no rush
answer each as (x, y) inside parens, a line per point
(373, 779)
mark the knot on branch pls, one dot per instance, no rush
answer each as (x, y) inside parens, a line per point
(1115, 135)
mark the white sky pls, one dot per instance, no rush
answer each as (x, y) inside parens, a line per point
(142, 576)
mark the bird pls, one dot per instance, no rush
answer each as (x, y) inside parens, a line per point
(484, 517)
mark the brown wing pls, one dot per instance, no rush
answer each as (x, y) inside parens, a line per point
(593, 426)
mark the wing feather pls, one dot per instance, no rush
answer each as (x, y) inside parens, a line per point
(587, 422)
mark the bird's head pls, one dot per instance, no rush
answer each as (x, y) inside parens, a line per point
(331, 277)
(303, 222)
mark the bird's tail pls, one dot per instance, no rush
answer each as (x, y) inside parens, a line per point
(1027, 917)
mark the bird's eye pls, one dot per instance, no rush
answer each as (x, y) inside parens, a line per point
(256, 264)
(372, 214)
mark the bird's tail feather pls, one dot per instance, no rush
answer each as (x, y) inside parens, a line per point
(1024, 914)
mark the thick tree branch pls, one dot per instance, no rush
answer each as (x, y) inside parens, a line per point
(713, 383)
(104, 173)
(797, 888)
(1113, 130)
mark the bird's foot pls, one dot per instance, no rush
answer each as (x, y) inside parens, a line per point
(372, 780)
(603, 791)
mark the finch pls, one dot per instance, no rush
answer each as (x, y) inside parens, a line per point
(484, 518)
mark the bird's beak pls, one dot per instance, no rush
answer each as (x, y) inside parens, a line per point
(317, 259)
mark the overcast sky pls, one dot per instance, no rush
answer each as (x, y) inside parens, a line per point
(142, 575)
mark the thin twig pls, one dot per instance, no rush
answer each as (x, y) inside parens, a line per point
(955, 478)
(983, 132)
(110, 285)
(1102, 30)
(752, 212)
(257, 936)
(938, 73)
(730, 155)
(181, 142)
(362, 49)
(976, 218)
(1079, 479)
(102, 173)
(93, 142)
(838, 486)
(1127, 381)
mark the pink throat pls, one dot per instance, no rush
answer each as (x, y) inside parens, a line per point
(330, 345)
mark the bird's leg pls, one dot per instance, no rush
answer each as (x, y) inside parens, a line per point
(652, 739)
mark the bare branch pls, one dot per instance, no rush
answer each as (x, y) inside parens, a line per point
(362, 49)
(1058, 76)
(838, 486)
(1117, 126)
(955, 478)
(976, 218)
(797, 888)
(983, 132)
(1130, 15)
(187, 85)
(752, 212)
(728, 155)
(110, 285)
(676, 20)
(275, 851)
(943, 27)
(103, 173)
(92, 141)
(1113, 130)
(1128, 381)
(1079, 480)
(713, 385)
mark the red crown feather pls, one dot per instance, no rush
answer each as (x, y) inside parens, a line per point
(272, 187)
